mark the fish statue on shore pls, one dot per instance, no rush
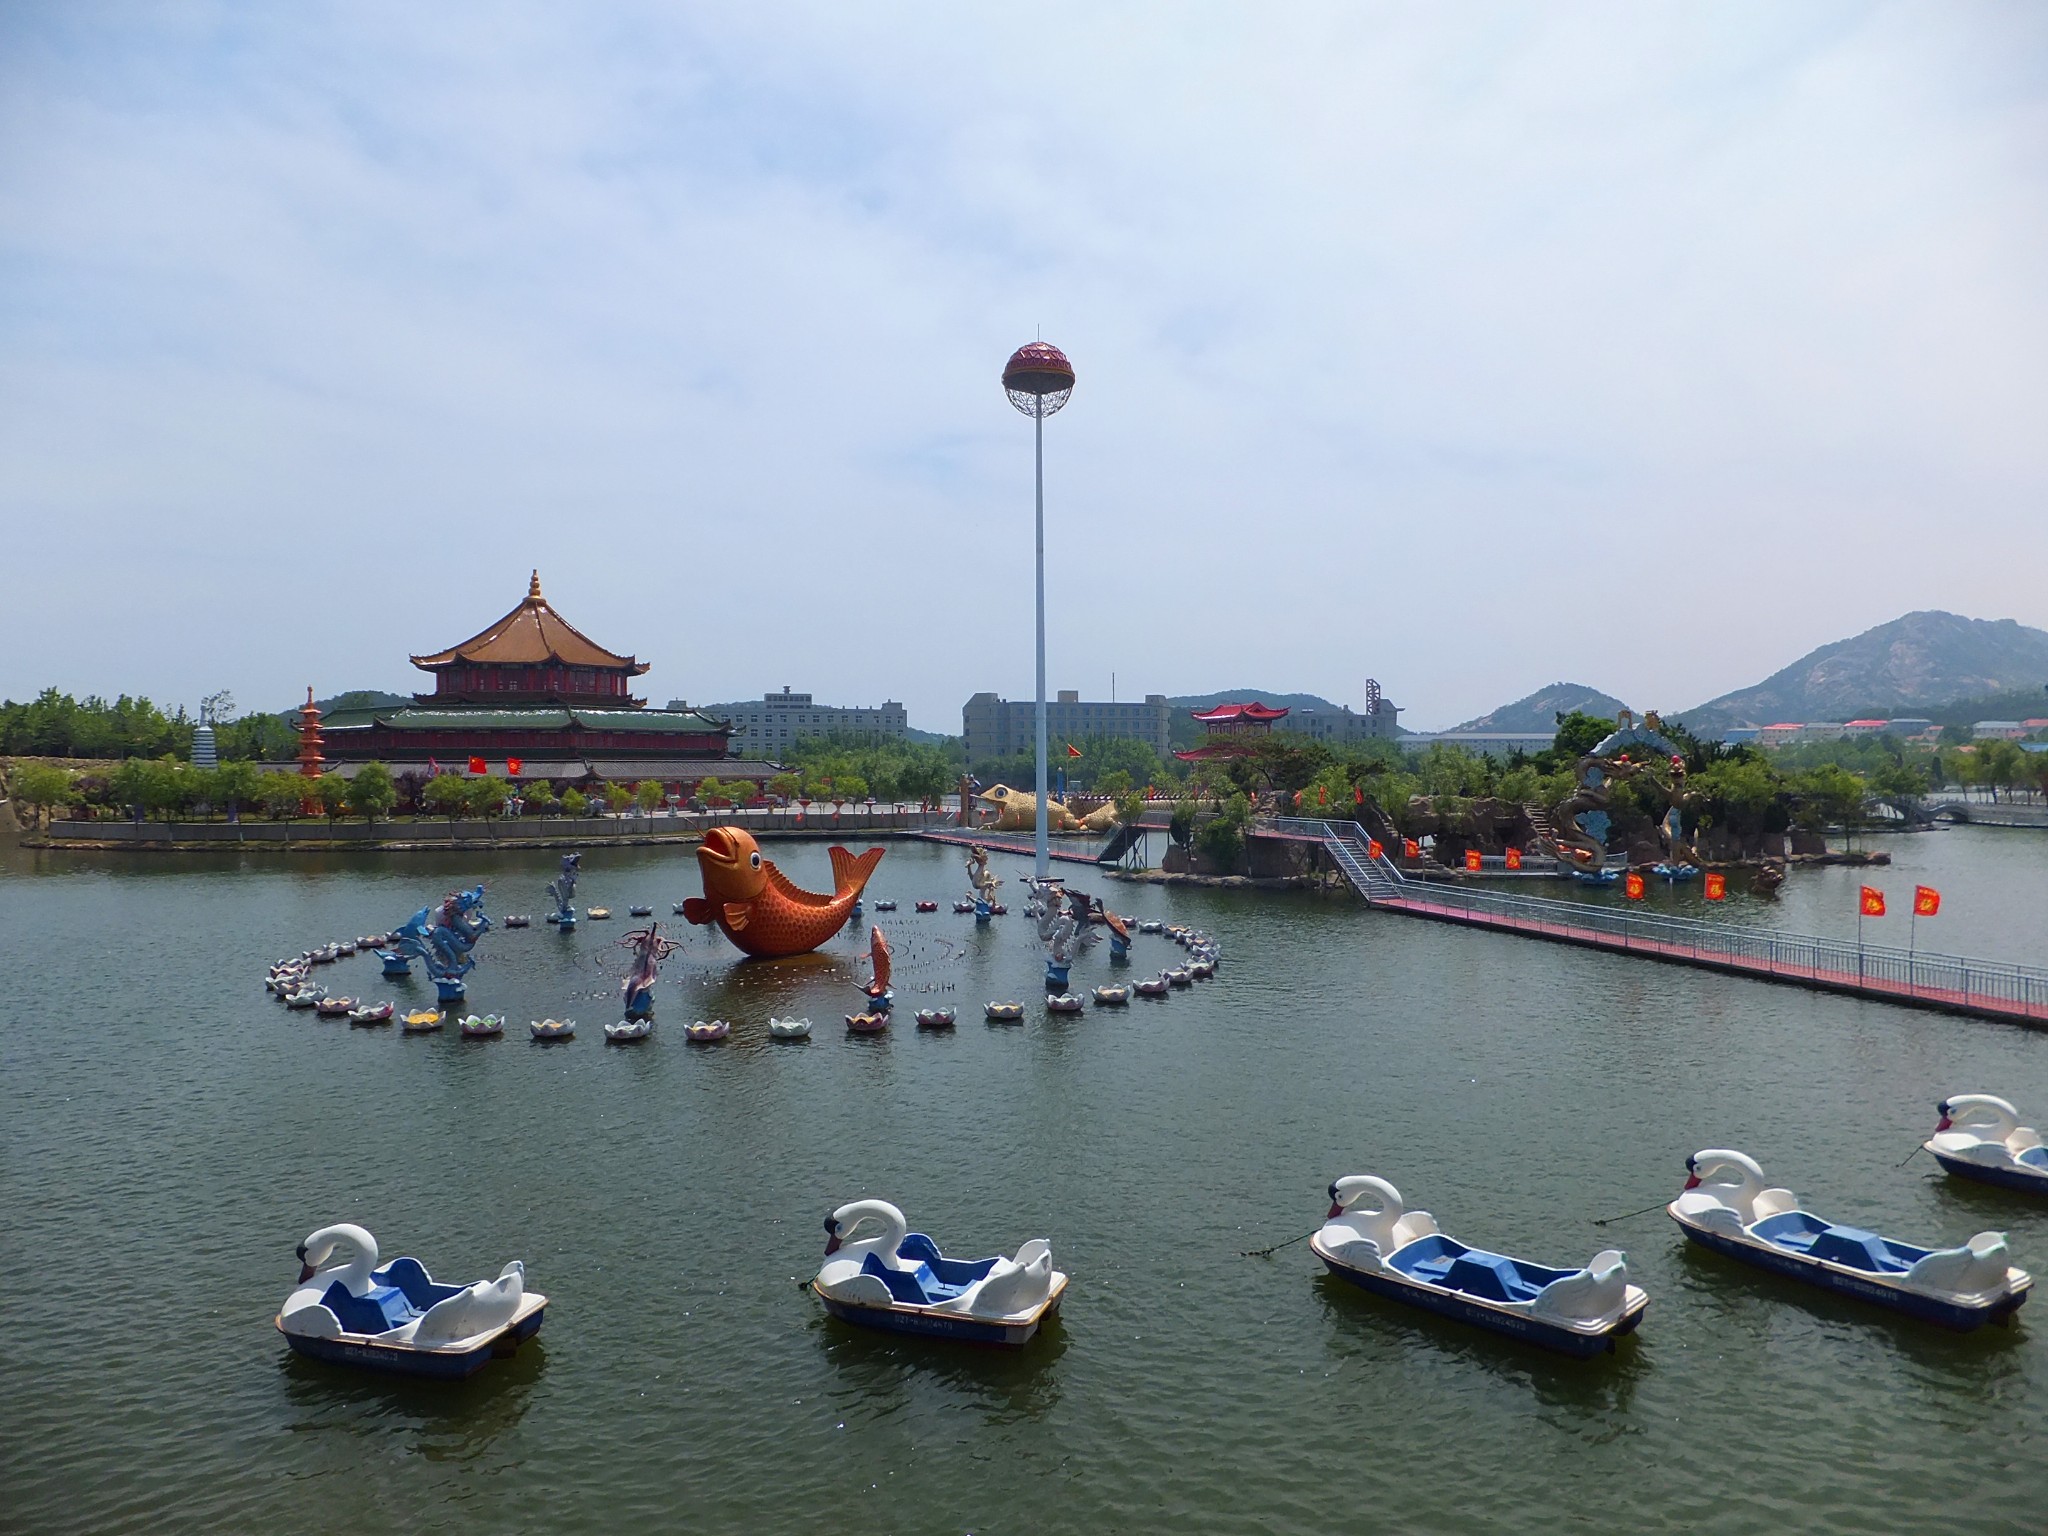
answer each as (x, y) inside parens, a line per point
(754, 904)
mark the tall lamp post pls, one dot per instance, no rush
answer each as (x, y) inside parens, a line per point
(1039, 380)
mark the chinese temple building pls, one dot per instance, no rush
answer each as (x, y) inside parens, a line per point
(533, 697)
(1231, 730)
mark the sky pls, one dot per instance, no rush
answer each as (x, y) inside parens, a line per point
(1646, 345)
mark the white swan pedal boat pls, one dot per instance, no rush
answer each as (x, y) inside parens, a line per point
(897, 1280)
(1726, 1207)
(1980, 1137)
(789, 1029)
(348, 1311)
(1373, 1241)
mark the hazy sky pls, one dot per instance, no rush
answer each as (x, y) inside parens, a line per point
(1467, 347)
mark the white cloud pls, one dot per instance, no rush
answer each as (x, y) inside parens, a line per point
(1646, 346)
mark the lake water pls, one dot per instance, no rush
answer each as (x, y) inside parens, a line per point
(170, 1133)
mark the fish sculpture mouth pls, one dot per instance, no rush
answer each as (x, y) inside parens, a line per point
(731, 860)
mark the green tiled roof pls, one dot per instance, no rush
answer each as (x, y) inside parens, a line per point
(525, 720)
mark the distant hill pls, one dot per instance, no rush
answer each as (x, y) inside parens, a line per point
(1539, 711)
(1913, 665)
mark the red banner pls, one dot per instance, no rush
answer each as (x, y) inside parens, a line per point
(1322, 794)
(1872, 902)
(1358, 794)
(513, 765)
(1472, 859)
(1926, 901)
(1717, 886)
(1634, 886)
(1373, 850)
(1514, 858)
(1410, 849)
(477, 765)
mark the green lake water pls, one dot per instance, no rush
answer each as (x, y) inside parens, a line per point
(169, 1133)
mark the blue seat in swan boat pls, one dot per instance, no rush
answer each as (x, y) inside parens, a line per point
(1444, 1261)
(935, 1278)
(2033, 1157)
(399, 1292)
(1852, 1247)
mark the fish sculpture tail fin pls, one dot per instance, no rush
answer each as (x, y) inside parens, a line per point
(851, 872)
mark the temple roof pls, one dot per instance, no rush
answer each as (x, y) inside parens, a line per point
(1224, 713)
(423, 718)
(531, 633)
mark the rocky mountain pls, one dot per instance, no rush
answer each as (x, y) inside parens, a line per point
(1539, 710)
(1912, 664)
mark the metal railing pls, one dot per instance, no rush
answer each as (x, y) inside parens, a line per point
(1879, 969)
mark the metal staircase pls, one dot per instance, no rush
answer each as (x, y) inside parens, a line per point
(1376, 879)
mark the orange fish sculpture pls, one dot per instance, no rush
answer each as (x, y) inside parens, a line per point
(754, 904)
(878, 954)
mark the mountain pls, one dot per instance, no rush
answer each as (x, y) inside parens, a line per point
(1910, 665)
(1539, 711)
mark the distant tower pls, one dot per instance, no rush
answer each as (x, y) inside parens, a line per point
(311, 762)
(204, 754)
(1372, 696)
(1039, 380)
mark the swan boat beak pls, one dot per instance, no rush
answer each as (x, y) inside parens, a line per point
(1336, 1210)
(831, 1245)
(1692, 1181)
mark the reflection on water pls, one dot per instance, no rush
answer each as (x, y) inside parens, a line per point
(879, 1373)
(446, 1420)
(667, 1199)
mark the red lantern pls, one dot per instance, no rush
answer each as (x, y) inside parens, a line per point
(1514, 858)
(1410, 849)
(1634, 886)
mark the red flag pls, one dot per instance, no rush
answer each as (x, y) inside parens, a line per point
(1514, 858)
(433, 768)
(477, 765)
(1373, 850)
(1634, 886)
(1872, 902)
(1297, 799)
(1322, 794)
(1472, 859)
(1410, 849)
(1358, 794)
(1926, 901)
(513, 765)
(1072, 750)
(1717, 885)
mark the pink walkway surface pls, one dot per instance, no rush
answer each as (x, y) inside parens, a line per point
(997, 842)
(1917, 995)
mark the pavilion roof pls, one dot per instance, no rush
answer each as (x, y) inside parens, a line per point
(531, 633)
(1224, 713)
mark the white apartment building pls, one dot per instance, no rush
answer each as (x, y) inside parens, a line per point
(775, 720)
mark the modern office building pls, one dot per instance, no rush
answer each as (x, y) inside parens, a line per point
(775, 720)
(1343, 726)
(999, 728)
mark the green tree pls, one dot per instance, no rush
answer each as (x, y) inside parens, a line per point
(1181, 828)
(850, 788)
(446, 794)
(1577, 734)
(646, 796)
(617, 797)
(539, 797)
(572, 802)
(331, 791)
(237, 784)
(371, 793)
(712, 792)
(484, 797)
(1221, 838)
(41, 787)
(787, 785)
(283, 795)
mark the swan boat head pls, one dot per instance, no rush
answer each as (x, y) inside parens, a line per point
(1726, 1189)
(1367, 1221)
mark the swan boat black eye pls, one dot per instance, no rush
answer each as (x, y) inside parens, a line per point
(1333, 1189)
(831, 1226)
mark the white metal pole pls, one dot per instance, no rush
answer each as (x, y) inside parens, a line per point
(1038, 430)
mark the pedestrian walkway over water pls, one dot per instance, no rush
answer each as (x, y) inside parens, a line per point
(1989, 989)
(997, 842)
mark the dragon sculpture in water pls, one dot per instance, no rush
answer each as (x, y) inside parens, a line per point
(1581, 820)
